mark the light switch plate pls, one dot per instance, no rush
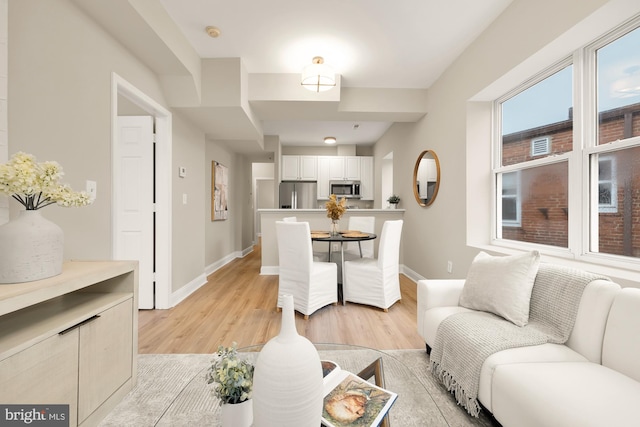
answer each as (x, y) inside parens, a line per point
(182, 172)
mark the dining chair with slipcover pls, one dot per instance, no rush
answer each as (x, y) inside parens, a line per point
(365, 224)
(376, 281)
(312, 284)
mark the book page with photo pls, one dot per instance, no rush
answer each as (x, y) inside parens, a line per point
(350, 401)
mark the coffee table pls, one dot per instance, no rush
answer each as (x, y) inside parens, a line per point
(413, 407)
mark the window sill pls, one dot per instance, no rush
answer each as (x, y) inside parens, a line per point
(624, 271)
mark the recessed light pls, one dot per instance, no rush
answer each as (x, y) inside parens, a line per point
(330, 140)
(213, 31)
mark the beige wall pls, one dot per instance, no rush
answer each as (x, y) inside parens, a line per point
(188, 237)
(439, 232)
(61, 65)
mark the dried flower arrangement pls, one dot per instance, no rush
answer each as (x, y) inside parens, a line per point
(335, 208)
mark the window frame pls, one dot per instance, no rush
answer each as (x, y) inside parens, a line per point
(582, 214)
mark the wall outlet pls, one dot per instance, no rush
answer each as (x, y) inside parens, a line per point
(449, 267)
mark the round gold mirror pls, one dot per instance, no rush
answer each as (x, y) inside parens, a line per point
(426, 178)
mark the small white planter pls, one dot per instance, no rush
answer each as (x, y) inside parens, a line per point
(237, 414)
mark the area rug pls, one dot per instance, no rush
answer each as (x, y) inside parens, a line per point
(172, 391)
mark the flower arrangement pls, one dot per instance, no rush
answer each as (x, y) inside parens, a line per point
(233, 377)
(394, 200)
(335, 208)
(35, 185)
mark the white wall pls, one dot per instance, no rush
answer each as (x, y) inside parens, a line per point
(4, 54)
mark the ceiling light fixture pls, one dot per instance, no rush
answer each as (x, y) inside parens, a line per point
(213, 31)
(317, 76)
(330, 140)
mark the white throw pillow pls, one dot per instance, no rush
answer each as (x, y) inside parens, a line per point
(501, 285)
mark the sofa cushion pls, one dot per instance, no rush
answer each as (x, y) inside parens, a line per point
(501, 285)
(536, 353)
(588, 331)
(621, 348)
(433, 317)
(564, 394)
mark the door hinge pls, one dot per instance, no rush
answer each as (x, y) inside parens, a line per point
(155, 138)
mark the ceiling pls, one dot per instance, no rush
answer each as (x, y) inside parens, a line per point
(386, 55)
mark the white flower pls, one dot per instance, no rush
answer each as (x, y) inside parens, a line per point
(35, 185)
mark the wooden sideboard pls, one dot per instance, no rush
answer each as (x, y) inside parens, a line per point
(71, 339)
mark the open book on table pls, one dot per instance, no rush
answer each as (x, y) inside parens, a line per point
(350, 401)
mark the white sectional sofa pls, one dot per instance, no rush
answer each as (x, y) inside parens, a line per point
(591, 380)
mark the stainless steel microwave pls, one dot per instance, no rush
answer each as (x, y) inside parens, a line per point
(347, 189)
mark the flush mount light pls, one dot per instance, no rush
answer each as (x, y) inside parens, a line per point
(330, 140)
(212, 31)
(318, 77)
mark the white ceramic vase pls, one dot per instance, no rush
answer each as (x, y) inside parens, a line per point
(31, 248)
(237, 414)
(287, 381)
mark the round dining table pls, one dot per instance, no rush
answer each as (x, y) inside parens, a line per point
(342, 237)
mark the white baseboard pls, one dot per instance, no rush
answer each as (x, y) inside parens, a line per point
(410, 273)
(178, 296)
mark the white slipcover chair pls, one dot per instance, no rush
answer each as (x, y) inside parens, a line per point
(376, 281)
(366, 224)
(312, 284)
(317, 256)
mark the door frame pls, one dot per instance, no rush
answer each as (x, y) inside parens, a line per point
(163, 132)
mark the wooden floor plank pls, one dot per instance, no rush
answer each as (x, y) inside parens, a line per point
(238, 304)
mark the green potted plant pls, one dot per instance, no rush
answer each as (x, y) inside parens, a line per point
(233, 385)
(393, 201)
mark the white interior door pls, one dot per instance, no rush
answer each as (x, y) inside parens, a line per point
(134, 199)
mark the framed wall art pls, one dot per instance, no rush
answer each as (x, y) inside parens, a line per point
(219, 191)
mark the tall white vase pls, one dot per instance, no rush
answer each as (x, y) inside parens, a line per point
(287, 381)
(31, 248)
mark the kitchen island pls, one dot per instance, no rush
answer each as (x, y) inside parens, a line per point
(317, 219)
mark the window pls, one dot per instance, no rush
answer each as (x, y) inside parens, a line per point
(541, 148)
(616, 150)
(534, 177)
(607, 188)
(511, 199)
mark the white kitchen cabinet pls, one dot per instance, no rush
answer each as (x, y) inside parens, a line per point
(324, 164)
(299, 168)
(344, 168)
(71, 339)
(367, 178)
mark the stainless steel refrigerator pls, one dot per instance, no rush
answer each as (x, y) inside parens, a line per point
(298, 195)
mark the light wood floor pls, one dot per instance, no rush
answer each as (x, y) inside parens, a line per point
(238, 304)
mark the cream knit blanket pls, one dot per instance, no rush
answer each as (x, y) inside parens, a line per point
(465, 340)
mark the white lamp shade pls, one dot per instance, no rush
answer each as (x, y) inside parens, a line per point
(318, 77)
